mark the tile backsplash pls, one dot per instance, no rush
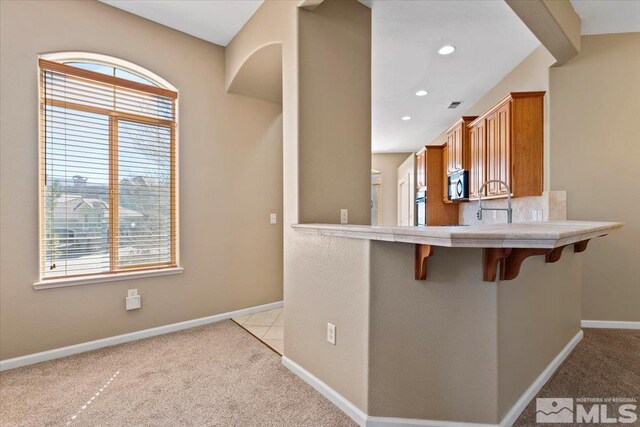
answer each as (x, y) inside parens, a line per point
(551, 206)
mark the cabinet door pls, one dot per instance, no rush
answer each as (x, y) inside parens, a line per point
(457, 137)
(493, 153)
(473, 173)
(454, 144)
(478, 154)
(421, 169)
(504, 146)
(482, 156)
(451, 152)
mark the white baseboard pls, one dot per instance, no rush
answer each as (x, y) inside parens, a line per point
(358, 415)
(407, 422)
(365, 420)
(334, 397)
(57, 353)
(610, 324)
(532, 391)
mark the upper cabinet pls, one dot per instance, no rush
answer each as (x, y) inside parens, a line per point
(458, 146)
(421, 166)
(507, 144)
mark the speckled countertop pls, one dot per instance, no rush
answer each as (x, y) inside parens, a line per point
(520, 235)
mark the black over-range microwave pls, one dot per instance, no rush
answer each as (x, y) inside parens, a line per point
(459, 186)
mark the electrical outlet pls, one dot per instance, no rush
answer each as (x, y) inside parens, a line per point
(537, 215)
(331, 333)
(273, 219)
(132, 293)
(495, 215)
(344, 216)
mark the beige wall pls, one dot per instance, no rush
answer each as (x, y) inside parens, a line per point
(539, 313)
(595, 153)
(421, 334)
(387, 164)
(230, 146)
(330, 285)
(277, 21)
(335, 112)
(261, 74)
(567, 19)
(345, 172)
(416, 349)
(555, 23)
(327, 164)
(532, 74)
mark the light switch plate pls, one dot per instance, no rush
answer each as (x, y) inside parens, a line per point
(273, 219)
(331, 333)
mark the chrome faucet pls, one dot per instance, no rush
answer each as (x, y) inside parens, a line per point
(508, 208)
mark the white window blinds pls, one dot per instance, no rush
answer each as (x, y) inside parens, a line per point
(108, 173)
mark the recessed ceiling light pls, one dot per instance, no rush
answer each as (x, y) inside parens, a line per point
(446, 50)
(421, 93)
(405, 118)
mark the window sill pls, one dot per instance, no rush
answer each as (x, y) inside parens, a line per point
(102, 278)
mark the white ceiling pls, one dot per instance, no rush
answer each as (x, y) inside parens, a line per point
(490, 41)
(215, 21)
(608, 16)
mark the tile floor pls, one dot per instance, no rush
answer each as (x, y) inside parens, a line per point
(268, 326)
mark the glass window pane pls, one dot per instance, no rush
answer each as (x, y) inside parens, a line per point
(111, 71)
(76, 192)
(144, 173)
(98, 68)
(124, 74)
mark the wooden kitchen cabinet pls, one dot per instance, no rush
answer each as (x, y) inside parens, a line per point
(421, 166)
(458, 145)
(507, 144)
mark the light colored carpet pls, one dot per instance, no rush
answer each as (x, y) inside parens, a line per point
(220, 375)
(214, 375)
(606, 363)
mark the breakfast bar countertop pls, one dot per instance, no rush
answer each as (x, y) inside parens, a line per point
(548, 235)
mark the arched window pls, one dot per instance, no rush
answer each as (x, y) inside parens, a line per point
(108, 167)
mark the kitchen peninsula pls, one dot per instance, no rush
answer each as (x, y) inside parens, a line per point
(436, 323)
